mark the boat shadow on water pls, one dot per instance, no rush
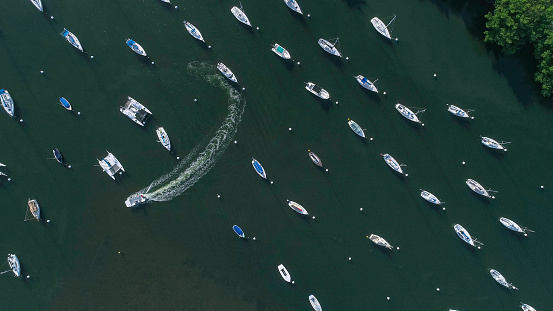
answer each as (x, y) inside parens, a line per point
(298, 17)
(355, 3)
(464, 122)
(326, 104)
(496, 153)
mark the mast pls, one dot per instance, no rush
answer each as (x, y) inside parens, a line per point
(391, 21)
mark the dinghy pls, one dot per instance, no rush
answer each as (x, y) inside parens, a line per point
(297, 208)
(514, 226)
(462, 113)
(476, 187)
(280, 51)
(240, 15)
(465, 236)
(194, 32)
(163, 138)
(258, 168)
(72, 39)
(499, 278)
(364, 82)
(57, 155)
(65, 104)
(494, 144)
(227, 72)
(356, 128)
(315, 158)
(284, 273)
(330, 48)
(294, 6)
(38, 4)
(393, 164)
(315, 303)
(409, 114)
(15, 267)
(317, 90)
(380, 241)
(34, 210)
(238, 231)
(135, 47)
(381, 27)
(7, 102)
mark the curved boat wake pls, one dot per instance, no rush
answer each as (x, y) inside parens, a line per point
(196, 164)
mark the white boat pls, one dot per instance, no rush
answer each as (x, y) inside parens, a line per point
(294, 6)
(501, 279)
(240, 15)
(38, 4)
(514, 226)
(330, 48)
(297, 208)
(364, 82)
(14, 265)
(166, 1)
(315, 158)
(315, 303)
(280, 51)
(111, 165)
(72, 39)
(163, 138)
(409, 114)
(227, 72)
(284, 273)
(137, 48)
(194, 32)
(381, 27)
(494, 144)
(317, 90)
(380, 241)
(392, 163)
(7, 102)
(526, 307)
(356, 128)
(476, 187)
(465, 236)
(462, 113)
(136, 200)
(258, 168)
(135, 111)
(430, 197)
(2, 164)
(34, 210)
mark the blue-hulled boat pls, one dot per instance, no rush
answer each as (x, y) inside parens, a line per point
(258, 168)
(71, 38)
(65, 103)
(57, 155)
(238, 231)
(136, 47)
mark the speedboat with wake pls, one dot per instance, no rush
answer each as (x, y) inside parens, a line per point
(317, 90)
(240, 15)
(476, 187)
(514, 226)
(34, 210)
(526, 307)
(297, 208)
(239, 231)
(15, 267)
(430, 197)
(258, 168)
(356, 128)
(280, 51)
(294, 6)
(393, 164)
(315, 158)
(462, 113)
(135, 47)
(110, 165)
(315, 303)
(284, 273)
(409, 114)
(499, 278)
(494, 144)
(135, 111)
(163, 138)
(194, 32)
(330, 48)
(38, 4)
(465, 236)
(381, 27)
(380, 241)
(65, 103)
(72, 39)
(364, 82)
(57, 155)
(136, 200)
(227, 72)
(7, 102)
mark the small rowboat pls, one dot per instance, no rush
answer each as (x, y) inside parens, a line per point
(315, 303)
(356, 128)
(57, 155)
(380, 241)
(284, 273)
(65, 103)
(315, 158)
(238, 231)
(280, 51)
(194, 32)
(258, 168)
(297, 208)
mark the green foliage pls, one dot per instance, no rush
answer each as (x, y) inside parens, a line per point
(544, 75)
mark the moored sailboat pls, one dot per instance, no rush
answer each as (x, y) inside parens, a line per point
(364, 82)
(315, 303)
(110, 165)
(135, 111)
(297, 208)
(476, 187)
(356, 128)
(526, 307)
(499, 278)
(135, 47)
(72, 39)
(382, 28)
(330, 48)
(409, 114)
(378, 240)
(240, 15)
(34, 210)
(315, 158)
(393, 164)
(239, 231)
(38, 4)
(57, 155)
(465, 236)
(430, 197)
(494, 144)
(258, 168)
(462, 113)
(15, 267)
(294, 6)
(284, 273)
(163, 138)
(194, 32)
(65, 103)
(7, 102)
(509, 224)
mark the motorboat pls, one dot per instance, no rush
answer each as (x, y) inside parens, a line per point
(240, 15)
(364, 82)
(72, 39)
(135, 111)
(7, 102)
(381, 27)
(65, 103)
(194, 32)
(330, 48)
(14, 265)
(380, 241)
(476, 187)
(315, 303)
(135, 47)
(499, 278)
(280, 51)
(514, 226)
(166, 1)
(284, 273)
(38, 4)
(526, 307)
(136, 200)
(462, 113)
(238, 231)
(465, 236)
(111, 165)
(294, 6)
(227, 72)
(317, 90)
(163, 138)
(57, 155)
(356, 128)
(34, 209)
(430, 197)
(409, 114)
(315, 158)
(258, 168)
(494, 144)
(297, 208)
(392, 163)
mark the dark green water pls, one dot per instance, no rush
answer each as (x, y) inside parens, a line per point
(182, 254)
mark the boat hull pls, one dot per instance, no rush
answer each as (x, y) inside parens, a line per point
(294, 6)
(34, 209)
(317, 90)
(329, 47)
(259, 168)
(194, 32)
(7, 102)
(364, 82)
(280, 51)
(13, 261)
(238, 231)
(57, 155)
(315, 159)
(163, 138)
(284, 273)
(240, 16)
(356, 128)
(297, 208)
(315, 303)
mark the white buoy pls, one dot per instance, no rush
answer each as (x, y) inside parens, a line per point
(349, 258)
(398, 248)
(361, 209)
(218, 196)
(406, 175)
(257, 28)
(384, 93)
(526, 234)
(176, 7)
(92, 56)
(493, 197)
(195, 99)
(9, 179)
(271, 182)
(313, 217)
(254, 238)
(42, 71)
(443, 208)
(153, 63)
(397, 39)
(69, 166)
(479, 247)
(434, 75)
(28, 276)
(235, 142)
(51, 17)
(438, 289)
(293, 282)
(243, 89)
(119, 252)
(21, 120)
(371, 138)
(79, 113)
(290, 129)
(298, 63)
(347, 57)
(209, 46)
(308, 15)
(388, 298)
(178, 158)
(336, 103)
(48, 220)
(541, 187)
(326, 170)
(463, 162)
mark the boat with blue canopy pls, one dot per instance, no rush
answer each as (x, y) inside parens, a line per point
(465, 236)
(364, 82)
(258, 168)
(137, 48)
(65, 103)
(72, 39)
(238, 231)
